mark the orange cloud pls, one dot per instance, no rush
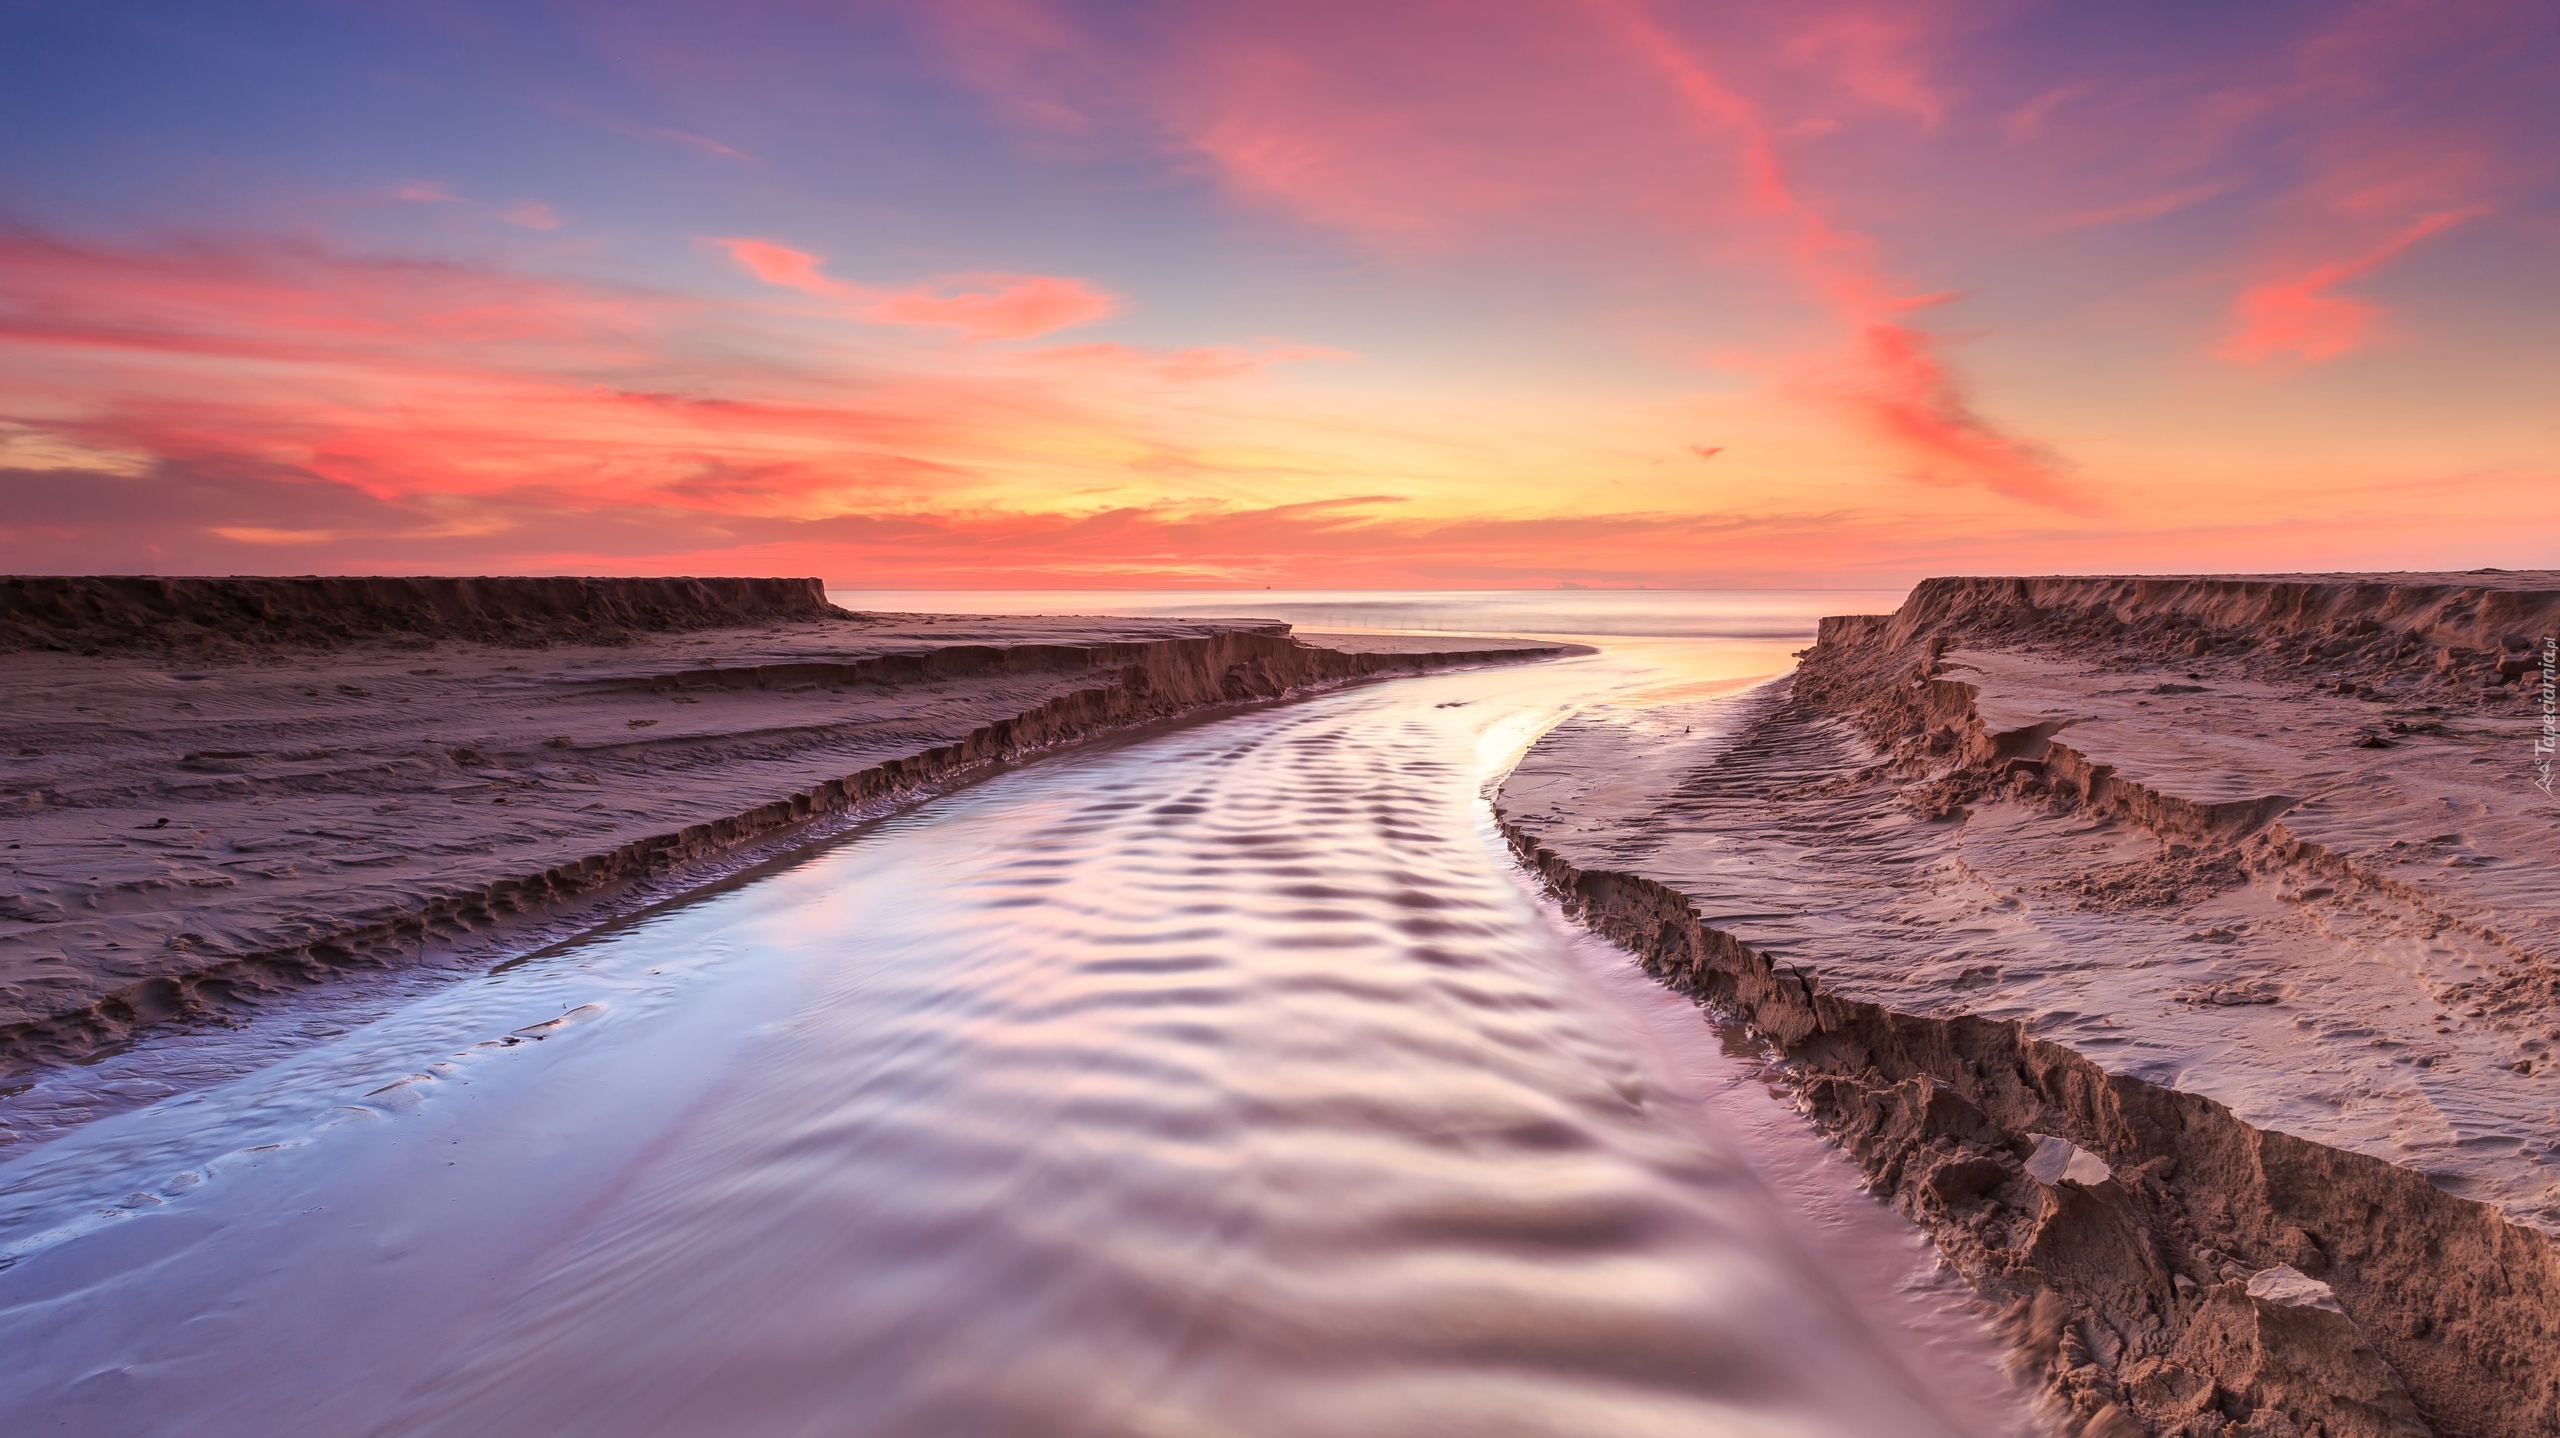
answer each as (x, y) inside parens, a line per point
(781, 265)
(1190, 365)
(2298, 317)
(403, 378)
(449, 409)
(212, 518)
(1912, 401)
(980, 306)
(1895, 383)
(1001, 307)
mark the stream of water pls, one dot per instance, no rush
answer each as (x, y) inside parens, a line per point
(1224, 1079)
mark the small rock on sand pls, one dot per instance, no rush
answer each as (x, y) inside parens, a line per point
(2059, 1160)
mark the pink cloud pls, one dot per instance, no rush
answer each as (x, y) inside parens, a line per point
(1909, 398)
(781, 265)
(1871, 56)
(1417, 128)
(2298, 317)
(980, 306)
(412, 380)
(995, 306)
(2150, 207)
(531, 215)
(246, 397)
(425, 192)
(1890, 378)
(1188, 365)
(2026, 123)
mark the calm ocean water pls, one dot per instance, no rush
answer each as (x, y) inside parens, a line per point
(1733, 614)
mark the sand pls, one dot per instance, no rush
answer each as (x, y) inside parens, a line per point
(204, 818)
(2183, 870)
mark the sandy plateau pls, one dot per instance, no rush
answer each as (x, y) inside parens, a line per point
(2183, 952)
(220, 790)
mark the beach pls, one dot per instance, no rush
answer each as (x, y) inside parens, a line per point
(2143, 938)
(2175, 958)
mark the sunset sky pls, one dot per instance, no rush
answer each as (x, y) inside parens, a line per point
(992, 293)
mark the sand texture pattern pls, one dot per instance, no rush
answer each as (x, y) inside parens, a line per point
(185, 838)
(2182, 953)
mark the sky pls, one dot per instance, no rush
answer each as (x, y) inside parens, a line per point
(1026, 293)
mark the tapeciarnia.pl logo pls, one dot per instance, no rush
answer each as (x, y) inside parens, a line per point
(2549, 739)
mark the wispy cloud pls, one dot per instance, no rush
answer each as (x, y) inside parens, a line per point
(254, 534)
(979, 306)
(664, 135)
(1871, 54)
(531, 215)
(2150, 207)
(1891, 376)
(523, 214)
(2026, 124)
(2300, 317)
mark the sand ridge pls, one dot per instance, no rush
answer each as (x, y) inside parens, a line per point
(224, 616)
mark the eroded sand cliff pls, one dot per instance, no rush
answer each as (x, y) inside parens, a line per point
(2182, 952)
(213, 616)
(206, 812)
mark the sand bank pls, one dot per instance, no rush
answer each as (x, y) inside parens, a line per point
(213, 617)
(2182, 952)
(212, 810)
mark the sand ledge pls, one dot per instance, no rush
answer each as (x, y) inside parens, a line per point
(223, 616)
(2234, 884)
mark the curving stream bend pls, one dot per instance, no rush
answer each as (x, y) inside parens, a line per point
(1226, 1080)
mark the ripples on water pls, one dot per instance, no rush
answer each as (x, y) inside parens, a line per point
(1226, 1082)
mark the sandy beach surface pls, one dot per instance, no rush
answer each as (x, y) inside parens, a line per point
(2279, 844)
